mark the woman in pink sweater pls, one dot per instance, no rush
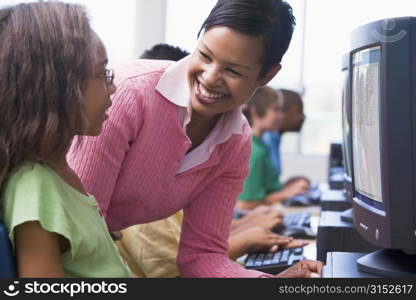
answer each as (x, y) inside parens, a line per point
(176, 138)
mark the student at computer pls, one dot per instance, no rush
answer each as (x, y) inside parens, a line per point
(176, 138)
(262, 185)
(291, 120)
(48, 94)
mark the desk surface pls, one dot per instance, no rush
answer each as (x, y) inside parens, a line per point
(314, 209)
(344, 265)
(309, 251)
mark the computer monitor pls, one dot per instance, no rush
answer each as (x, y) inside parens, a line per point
(336, 167)
(383, 130)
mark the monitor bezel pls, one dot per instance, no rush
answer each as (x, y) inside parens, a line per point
(346, 104)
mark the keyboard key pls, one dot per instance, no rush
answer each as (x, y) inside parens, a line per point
(250, 260)
(259, 260)
(269, 258)
(298, 251)
(276, 257)
(284, 259)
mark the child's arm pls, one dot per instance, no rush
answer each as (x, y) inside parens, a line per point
(38, 251)
(257, 239)
(289, 190)
(251, 240)
(266, 220)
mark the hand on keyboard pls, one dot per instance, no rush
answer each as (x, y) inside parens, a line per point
(303, 269)
(296, 244)
(267, 220)
(260, 239)
(276, 262)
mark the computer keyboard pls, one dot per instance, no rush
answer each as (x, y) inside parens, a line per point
(314, 195)
(274, 263)
(297, 225)
(298, 219)
(311, 197)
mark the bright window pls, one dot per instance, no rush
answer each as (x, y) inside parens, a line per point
(312, 65)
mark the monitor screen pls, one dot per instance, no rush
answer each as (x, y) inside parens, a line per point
(366, 124)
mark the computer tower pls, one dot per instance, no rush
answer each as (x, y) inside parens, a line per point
(334, 200)
(336, 235)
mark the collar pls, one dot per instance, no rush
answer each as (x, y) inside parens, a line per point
(173, 84)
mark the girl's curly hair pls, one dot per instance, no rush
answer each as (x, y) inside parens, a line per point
(47, 53)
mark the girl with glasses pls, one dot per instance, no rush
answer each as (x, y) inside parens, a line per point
(48, 94)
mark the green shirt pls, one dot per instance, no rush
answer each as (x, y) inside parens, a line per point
(36, 193)
(262, 179)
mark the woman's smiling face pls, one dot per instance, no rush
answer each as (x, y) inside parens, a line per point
(223, 71)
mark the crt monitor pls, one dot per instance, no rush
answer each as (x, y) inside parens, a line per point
(383, 130)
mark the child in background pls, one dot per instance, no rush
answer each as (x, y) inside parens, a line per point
(262, 185)
(292, 118)
(48, 94)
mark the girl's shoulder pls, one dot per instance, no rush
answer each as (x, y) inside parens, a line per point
(30, 174)
(37, 183)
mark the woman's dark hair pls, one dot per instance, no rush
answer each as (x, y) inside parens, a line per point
(47, 52)
(261, 100)
(271, 19)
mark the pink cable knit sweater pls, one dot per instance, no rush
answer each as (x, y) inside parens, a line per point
(131, 170)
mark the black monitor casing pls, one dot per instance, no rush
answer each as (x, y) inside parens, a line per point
(346, 121)
(397, 227)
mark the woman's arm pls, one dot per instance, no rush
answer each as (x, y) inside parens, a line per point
(98, 160)
(203, 248)
(38, 252)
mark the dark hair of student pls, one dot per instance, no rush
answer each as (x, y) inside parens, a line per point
(271, 19)
(165, 51)
(291, 99)
(261, 100)
(42, 78)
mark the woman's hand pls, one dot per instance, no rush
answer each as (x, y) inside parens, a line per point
(303, 269)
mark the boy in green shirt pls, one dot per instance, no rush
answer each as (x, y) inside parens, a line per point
(262, 185)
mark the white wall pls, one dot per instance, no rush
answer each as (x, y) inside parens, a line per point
(315, 167)
(127, 27)
(150, 24)
(183, 20)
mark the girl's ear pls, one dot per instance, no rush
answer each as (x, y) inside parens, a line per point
(269, 76)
